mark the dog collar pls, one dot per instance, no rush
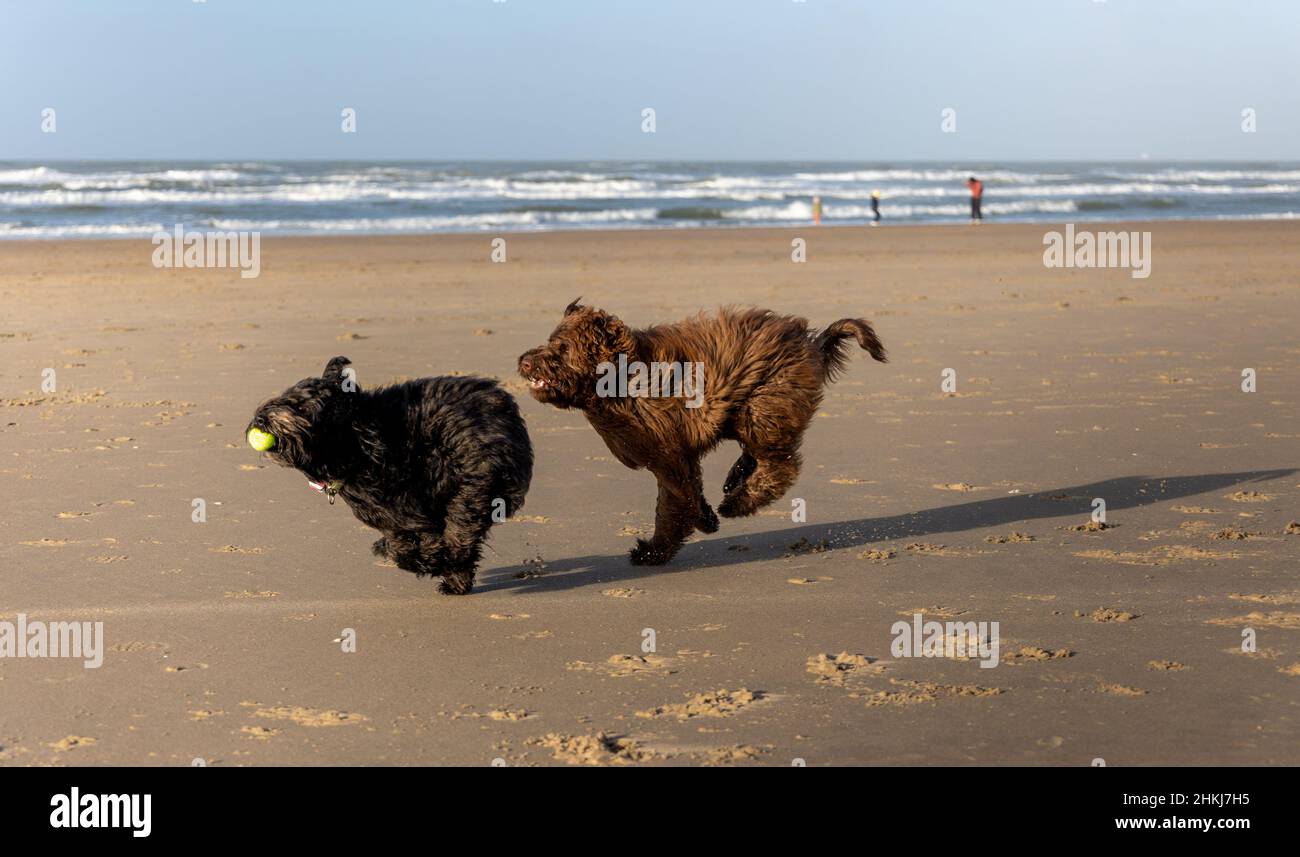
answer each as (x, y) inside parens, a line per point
(330, 488)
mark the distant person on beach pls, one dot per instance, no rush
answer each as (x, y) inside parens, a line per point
(875, 207)
(976, 194)
(817, 211)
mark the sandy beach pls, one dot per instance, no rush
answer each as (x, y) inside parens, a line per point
(772, 638)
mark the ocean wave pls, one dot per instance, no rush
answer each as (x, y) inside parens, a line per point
(492, 220)
(802, 211)
(125, 178)
(72, 199)
(932, 175)
(1183, 175)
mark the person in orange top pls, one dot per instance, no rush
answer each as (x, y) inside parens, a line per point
(976, 194)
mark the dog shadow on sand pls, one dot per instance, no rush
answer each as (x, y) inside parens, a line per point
(1129, 492)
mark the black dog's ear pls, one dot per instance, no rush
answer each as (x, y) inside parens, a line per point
(334, 368)
(573, 307)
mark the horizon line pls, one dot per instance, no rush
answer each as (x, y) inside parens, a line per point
(387, 160)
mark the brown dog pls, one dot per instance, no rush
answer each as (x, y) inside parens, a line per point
(747, 375)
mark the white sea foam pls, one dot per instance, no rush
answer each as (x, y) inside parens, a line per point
(109, 199)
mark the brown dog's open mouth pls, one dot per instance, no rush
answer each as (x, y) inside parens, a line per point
(537, 383)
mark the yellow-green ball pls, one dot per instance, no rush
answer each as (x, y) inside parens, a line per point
(260, 440)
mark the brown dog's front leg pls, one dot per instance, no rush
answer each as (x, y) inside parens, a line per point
(675, 517)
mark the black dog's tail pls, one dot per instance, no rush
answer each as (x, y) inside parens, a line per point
(830, 344)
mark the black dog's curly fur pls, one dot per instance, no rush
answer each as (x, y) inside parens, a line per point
(424, 462)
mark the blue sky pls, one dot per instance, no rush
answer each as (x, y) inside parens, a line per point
(731, 79)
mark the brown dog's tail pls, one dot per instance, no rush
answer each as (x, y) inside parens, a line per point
(830, 344)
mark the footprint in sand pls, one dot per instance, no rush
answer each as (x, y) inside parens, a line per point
(237, 549)
(1012, 537)
(937, 612)
(509, 715)
(804, 546)
(878, 555)
(1233, 534)
(1275, 619)
(1032, 654)
(839, 670)
(1157, 556)
(719, 703)
(1277, 598)
(312, 717)
(596, 750)
(1090, 527)
(621, 666)
(917, 692)
(1121, 690)
(1265, 653)
(71, 742)
(1107, 614)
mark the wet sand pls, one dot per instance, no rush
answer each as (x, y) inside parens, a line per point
(772, 638)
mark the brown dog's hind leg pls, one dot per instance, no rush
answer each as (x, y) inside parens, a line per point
(773, 475)
(770, 427)
(739, 472)
(680, 509)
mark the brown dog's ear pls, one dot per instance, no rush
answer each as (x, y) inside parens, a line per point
(618, 336)
(334, 368)
(573, 307)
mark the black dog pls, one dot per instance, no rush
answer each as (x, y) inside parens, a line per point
(431, 464)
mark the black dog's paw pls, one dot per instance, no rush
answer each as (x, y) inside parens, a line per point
(380, 548)
(708, 521)
(646, 553)
(456, 583)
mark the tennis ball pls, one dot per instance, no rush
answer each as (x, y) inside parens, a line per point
(260, 440)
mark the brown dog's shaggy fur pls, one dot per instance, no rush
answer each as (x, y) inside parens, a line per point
(763, 376)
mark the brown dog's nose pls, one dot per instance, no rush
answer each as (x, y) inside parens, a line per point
(525, 365)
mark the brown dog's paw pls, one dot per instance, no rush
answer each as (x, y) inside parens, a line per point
(735, 506)
(646, 553)
(708, 521)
